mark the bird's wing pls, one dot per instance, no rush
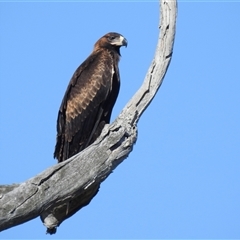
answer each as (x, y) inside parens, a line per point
(83, 104)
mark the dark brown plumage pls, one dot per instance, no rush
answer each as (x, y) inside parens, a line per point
(86, 107)
(90, 96)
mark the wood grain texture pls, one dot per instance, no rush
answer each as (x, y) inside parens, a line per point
(41, 196)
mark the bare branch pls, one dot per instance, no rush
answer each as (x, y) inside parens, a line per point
(55, 193)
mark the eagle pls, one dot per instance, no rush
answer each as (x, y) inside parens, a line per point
(85, 109)
(89, 99)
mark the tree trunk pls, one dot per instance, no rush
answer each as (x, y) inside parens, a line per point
(61, 190)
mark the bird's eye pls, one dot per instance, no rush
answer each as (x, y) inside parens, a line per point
(110, 38)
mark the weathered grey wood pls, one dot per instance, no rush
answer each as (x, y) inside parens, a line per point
(48, 194)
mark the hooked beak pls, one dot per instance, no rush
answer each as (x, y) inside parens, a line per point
(124, 41)
(120, 41)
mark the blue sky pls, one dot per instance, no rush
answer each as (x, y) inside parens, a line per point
(182, 179)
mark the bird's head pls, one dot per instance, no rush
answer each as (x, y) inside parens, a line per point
(111, 40)
(116, 39)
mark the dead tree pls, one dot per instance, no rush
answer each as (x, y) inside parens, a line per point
(54, 194)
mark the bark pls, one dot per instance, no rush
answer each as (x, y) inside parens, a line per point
(54, 194)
